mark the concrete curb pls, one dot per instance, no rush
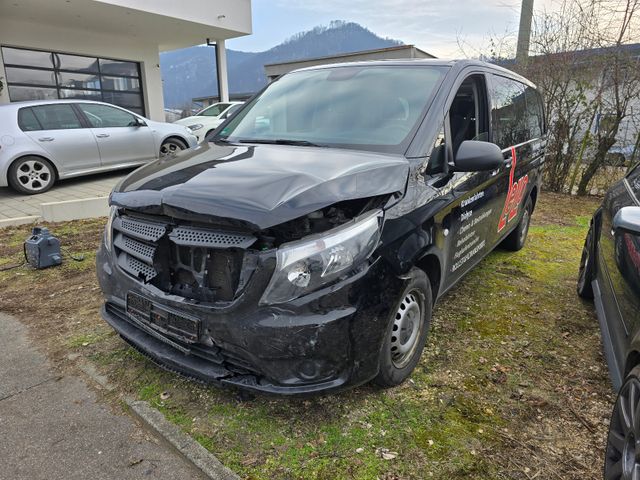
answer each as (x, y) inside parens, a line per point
(14, 222)
(154, 420)
(75, 209)
(184, 444)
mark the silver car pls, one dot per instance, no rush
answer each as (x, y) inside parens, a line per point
(43, 141)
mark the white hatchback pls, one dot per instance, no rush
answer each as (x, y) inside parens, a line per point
(207, 120)
(42, 141)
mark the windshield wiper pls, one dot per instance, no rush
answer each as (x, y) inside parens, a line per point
(281, 141)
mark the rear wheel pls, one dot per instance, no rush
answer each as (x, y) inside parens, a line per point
(171, 146)
(622, 457)
(31, 175)
(586, 272)
(407, 331)
(516, 239)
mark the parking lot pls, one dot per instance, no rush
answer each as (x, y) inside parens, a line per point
(512, 384)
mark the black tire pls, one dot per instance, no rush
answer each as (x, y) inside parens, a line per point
(414, 306)
(587, 268)
(622, 455)
(171, 146)
(516, 240)
(31, 175)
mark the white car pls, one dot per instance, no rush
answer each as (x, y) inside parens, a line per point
(43, 141)
(207, 120)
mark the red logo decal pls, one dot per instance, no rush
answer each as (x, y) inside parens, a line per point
(514, 195)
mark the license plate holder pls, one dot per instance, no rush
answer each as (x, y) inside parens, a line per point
(163, 319)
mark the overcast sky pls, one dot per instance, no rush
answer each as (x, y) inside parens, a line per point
(432, 25)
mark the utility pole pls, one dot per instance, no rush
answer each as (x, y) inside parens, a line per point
(524, 33)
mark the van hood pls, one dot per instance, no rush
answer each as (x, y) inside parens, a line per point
(257, 186)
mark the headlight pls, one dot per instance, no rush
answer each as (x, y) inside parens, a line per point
(195, 127)
(308, 264)
(108, 229)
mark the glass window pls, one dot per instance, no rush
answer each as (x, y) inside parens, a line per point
(508, 112)
(27, 121)
(81, 94)
(76, 63)
(103, 116)
(78, 80)
(535, 119)
(56, 117)
(27, 58)
(363, 107)
(122, 99)
(214, 110)
(117, 67)
(30, 76)
(633, 178)
(21, 94)
(438, 154)
(121, 83)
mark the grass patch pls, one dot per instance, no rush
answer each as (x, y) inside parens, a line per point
(511, 373)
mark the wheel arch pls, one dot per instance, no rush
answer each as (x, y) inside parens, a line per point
(632, 360)
(175, 136)
(431, 265)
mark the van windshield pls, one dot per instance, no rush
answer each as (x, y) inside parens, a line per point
(373, 108)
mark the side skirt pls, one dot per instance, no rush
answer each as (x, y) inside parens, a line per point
(615, 372)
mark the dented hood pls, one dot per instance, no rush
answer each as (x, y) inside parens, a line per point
(258, 186)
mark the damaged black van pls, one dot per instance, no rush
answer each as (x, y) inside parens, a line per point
(303, 247)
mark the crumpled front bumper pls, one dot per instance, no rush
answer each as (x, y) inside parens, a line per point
(326, 341)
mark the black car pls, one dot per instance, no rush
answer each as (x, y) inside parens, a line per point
(610, 274)
(303, 247)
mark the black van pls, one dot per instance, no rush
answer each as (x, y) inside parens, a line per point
(303, 247)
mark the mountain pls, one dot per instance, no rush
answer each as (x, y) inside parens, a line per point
(191, 72)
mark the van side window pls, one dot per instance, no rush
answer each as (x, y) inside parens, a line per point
(438, 154)
(468, 114)
(535, 118)
(508, 113)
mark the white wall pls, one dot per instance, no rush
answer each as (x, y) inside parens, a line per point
(83, 42)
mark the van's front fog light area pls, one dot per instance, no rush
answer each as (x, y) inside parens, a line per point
(308, 264)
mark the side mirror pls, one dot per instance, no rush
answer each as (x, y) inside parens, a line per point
(139, 123)
(627, 218)
(475, 156)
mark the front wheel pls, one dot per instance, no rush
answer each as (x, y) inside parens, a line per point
(622, 457)
(407, 331)
(171, 146)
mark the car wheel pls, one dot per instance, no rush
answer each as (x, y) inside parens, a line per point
(406, 332)
(622, 457)
(31, 175)
(171, 146)
(516, 239)
(587, 270)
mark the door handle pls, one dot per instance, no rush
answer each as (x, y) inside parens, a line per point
(102, 135)
(46, 139)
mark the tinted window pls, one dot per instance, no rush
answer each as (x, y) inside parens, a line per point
(438, 154)
(76, 63)
(102, 116)
(535, 118)
(508, 112)
(56, 117)
(117, 67)
(214, 110)
(634, 180)
(78, 80)
(364, 107)
(27, 120)
(18, 93)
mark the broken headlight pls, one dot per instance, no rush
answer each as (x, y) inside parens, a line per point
(308, 264)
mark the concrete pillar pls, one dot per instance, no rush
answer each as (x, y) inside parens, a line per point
(223, 76)
(524, 33)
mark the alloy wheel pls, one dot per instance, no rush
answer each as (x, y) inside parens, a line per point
(170, 148)
(34, 175)
(623, 446)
